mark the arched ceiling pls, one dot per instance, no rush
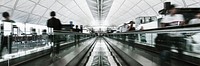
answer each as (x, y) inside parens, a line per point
(114, 12)
(100, 9)
(37, 11)
(126, 10)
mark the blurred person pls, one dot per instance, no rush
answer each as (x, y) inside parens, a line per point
(140, 28)
(195, 20)
(81, 28)
(131, 37)
(45, 36)
(6, 39)
(34, 37)
(76, 29)
(76, 36)
(34, 34)
(6, 16)
(164, 48)
(44, 32)
(55, 23)
(193, 37)
(172, 19)
(131, 27)
(165, 41)
(71, 26)
(124, 28)
(150, 19)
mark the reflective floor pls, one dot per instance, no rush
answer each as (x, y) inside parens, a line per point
(44, 60)
(25, 48)
(101, 55)
(75, 50)
(22, 49)
(145, 58)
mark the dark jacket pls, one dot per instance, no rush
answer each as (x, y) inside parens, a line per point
(54, 23)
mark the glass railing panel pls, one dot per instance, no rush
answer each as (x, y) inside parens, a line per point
(177, 40)
(25, 44)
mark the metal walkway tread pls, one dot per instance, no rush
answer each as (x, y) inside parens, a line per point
(100, 55)
(144, 57)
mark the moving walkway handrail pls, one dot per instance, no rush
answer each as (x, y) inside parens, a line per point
(180, 44)
(69, 32)
(64, 45)
(187, 31)
(187, 28)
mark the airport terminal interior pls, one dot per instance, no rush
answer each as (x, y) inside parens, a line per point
(99, 32)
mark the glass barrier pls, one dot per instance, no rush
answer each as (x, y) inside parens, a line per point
(18, 45)
(180, 40)
(179, 43)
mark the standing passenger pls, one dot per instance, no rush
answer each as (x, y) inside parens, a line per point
(131, 27)
(124, 28)
(56, 25)
(54, 22)
(45, 36)
(165, 41)
(6, 40)
(76, 29)
(172, 19)
(81, 28)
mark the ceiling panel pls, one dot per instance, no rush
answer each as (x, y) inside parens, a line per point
(35, 0)
(152, 2)
(43, 21)
(8, 3)
(33, 19)
(56, 6)
(20, 16)
(85, 11)
(151, 12)
(39, 10)
(46, 3)
(25, 5)
(143, 5)
(65, 2)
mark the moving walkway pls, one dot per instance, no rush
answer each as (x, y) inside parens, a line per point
(138, 48)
